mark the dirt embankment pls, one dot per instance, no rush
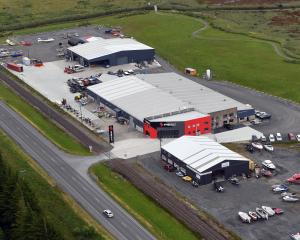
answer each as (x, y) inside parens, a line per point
(285, 18)
(247, 2)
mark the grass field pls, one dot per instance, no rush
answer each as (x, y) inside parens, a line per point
(14, 12)
(44, 125)
(233, 57)
(282, 26)
(156, 219)
(51, 200)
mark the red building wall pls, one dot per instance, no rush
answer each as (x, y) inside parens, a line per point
(203, 125)
(148, 130)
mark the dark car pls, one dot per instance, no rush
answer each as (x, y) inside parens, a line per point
(218, 187)
(291, 137)
(228, 126)
(264, 116)
(195, 184)
(234, 180)
(169, 168)
(249, 148)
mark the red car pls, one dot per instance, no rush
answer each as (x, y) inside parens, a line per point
(169, 168)
(266, 173)
(25, 43)
(294, 179)
(278, 211)
(291, 137)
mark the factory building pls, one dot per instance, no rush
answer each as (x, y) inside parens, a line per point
(203, 159)
(110, 52)
(166, 104)
(222, 109)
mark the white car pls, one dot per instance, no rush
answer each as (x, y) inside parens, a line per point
(298, 137)
(45, 40)
(269, 164)
(278, 137)
(268, 210)
(257, 145)
(108, 213)
(269, 147)
(271, 138)
(263, 138)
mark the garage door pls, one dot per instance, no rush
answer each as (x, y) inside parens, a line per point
(122, 60)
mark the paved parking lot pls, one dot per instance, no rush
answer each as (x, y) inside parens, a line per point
(47, 52)
(250, 194)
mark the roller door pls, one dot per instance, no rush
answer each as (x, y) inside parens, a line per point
(122, 60)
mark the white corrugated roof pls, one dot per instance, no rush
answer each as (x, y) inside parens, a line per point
(193, 94)
(136, 97)
(200, 153)
(103, 47)
(180, 117)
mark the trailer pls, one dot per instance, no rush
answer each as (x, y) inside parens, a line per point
(15, 67)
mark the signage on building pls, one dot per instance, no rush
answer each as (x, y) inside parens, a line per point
(225, 164)
(111, 134)
(167, 124)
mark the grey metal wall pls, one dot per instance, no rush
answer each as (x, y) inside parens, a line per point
(234, 168)
(111, 106)
(122, 57)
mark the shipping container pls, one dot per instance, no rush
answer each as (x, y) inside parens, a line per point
(15, 67)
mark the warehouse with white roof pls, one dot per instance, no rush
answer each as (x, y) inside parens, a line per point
(111, 52)
(222, 109)
(148, 108)
(203, 159)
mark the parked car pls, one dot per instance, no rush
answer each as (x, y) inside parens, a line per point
(108, 213)
(228, 126)
(249, 148)
(180, 174)
(187, 178)
(269, 147)
(278, 211)
(278, 136)
(218, 187)
(271, 138)
(263, 138)
(280, 188)
(291, 137)
(169, 168)
(298, 137)
(294, 179)
(195, 184)
(269, 164)
(266, 173)
(234, 180)
(257, 145)
(264, 116)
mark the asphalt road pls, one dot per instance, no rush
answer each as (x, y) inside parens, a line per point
(88, 195)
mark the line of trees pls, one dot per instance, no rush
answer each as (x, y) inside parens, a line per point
(20, 216)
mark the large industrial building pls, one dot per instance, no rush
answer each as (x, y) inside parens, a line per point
(167, 104)
(148, 108)
(203, 159)
(222, 109)
(110, 52)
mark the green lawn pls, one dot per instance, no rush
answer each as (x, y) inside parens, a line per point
(231, 57)
(50, 199)
(156, 219)
(44, 125)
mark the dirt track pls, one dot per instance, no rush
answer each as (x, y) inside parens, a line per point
(152, 188)
(60, 119)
